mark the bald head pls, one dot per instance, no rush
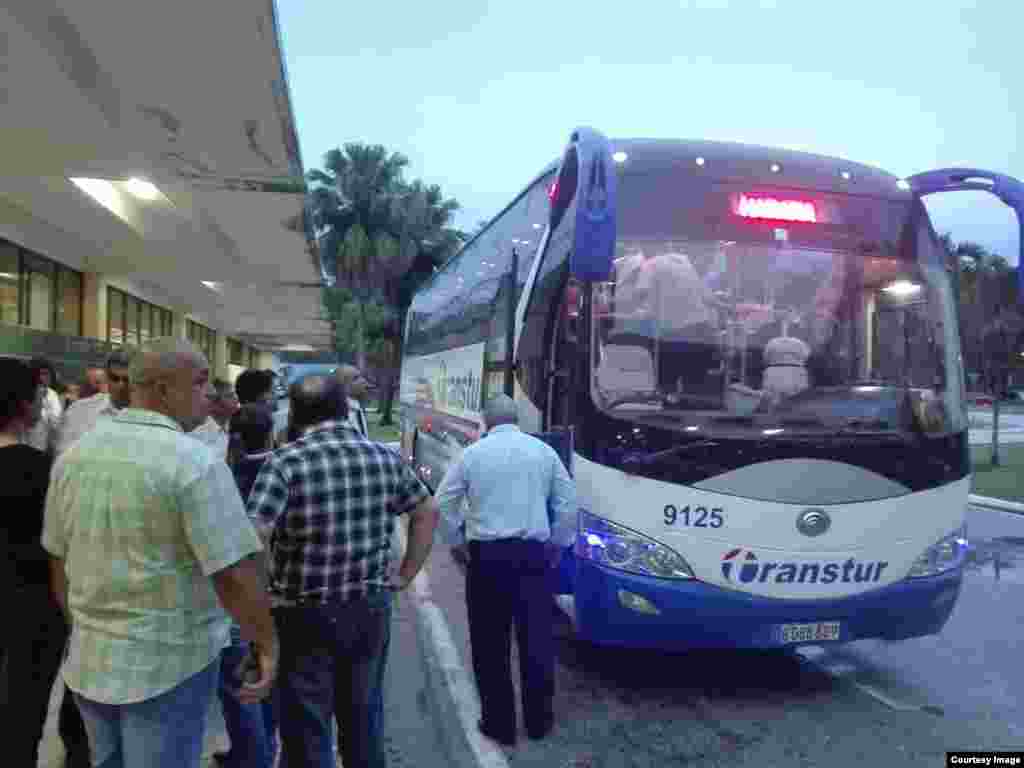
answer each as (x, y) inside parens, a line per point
(500, 409)
(158, 360)
(171, 376)
(95, 381)
(315, 399)
(347, 374)
(353, 381)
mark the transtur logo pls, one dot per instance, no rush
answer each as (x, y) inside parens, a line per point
(751, 563)
(749, 570)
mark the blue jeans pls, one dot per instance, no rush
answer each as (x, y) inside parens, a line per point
(251, 727)
(331, 658)
(163, 732)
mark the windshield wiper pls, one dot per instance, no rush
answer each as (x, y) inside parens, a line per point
(853, 427)
(637, 397)
(677, 450)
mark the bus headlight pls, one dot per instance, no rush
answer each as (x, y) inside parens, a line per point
(615, 546)
(941, 556)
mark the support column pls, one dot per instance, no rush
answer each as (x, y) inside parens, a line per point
(94, 306)
(180, 327)
(219, 364)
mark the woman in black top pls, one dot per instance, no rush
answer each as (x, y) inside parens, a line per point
(34, 642)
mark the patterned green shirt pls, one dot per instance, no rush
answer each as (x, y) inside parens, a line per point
(142, 515)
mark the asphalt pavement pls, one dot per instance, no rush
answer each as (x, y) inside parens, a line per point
(888, 704)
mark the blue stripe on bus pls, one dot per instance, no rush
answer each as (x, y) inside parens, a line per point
(694, 614)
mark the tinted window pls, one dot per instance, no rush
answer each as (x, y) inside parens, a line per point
(535, 214)
(465, 303)
(9, 270)
(69, 302)
(115, 316)
(39, 280)
(542, 310)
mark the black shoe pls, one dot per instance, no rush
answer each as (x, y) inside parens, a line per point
(542, 732)
(509, 741)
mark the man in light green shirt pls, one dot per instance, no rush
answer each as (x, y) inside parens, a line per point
(150, 543)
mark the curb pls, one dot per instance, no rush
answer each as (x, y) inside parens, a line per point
(450, 687)
(1002, 505)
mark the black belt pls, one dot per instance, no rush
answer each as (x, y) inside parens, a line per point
(320, 600)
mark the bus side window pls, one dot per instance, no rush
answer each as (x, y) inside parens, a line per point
(535, 206)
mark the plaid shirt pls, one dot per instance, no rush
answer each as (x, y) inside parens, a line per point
(142, 516)
(327, 504)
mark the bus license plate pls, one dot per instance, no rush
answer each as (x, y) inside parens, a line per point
(804, 633)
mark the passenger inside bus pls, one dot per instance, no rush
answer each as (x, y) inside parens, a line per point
(662, 305)
(745, 328)
(720, 329)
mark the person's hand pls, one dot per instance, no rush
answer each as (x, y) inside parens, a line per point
(398, 582)
(554, 555)
(460, 554)
(257, 673)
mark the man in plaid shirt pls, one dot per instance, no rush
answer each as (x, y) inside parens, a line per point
(326, 506)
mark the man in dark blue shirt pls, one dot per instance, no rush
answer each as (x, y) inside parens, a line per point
(253, 427)
(252, 728)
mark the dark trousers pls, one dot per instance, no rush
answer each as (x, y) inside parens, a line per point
(331, 657)
(508, 581)
(35, 650)
(72, 732)
(251, 731)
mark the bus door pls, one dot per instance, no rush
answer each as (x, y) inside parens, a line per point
(1006, 188)
(561, 395)
(561, 439)
(1011, 192)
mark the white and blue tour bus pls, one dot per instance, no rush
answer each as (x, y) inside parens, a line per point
(749, 358)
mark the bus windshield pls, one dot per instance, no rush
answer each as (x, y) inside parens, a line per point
(775, 328)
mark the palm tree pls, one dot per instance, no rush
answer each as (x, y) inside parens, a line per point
(421, 219)
(972, 259)
(352, 206)
(380, 237)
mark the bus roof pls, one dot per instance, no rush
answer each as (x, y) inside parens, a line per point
(749, 162)
(734, 161)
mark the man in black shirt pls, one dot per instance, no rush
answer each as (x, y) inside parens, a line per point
(252, 728)
(253, 426)
(34, 647)
(255, 386)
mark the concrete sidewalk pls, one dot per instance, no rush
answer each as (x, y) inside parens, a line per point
(413, 733)
(984, 436)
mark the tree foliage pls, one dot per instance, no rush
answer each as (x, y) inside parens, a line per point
(379, 237)
(990, 321)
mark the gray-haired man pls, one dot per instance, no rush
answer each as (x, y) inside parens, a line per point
(149, 545)
(84, 413)
(511, 480)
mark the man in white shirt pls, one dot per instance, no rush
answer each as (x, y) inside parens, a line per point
(223, 405)
(522, 515)
(357, 386)
(93, 383)
(105, 392)
(85, 412)
(42, 435)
